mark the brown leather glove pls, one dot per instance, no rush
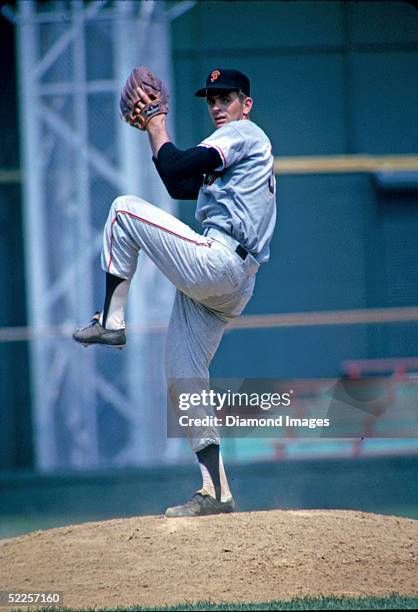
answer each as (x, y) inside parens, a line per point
(156, 92)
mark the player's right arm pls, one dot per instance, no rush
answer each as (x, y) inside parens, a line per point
(185, 189)
(181, 171)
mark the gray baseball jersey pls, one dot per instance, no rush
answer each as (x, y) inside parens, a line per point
(240, 196)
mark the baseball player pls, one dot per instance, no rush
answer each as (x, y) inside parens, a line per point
(230, 174)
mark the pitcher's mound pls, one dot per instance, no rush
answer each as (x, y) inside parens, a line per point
(243, 557)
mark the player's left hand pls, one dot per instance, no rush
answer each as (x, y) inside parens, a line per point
(143, 102)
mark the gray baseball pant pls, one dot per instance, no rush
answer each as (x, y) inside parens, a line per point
(213, 286)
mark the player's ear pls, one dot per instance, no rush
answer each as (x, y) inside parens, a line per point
(247, 106)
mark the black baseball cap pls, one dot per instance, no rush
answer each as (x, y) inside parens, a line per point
(225, 78)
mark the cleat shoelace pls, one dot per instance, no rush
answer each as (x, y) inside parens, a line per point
(95, 319)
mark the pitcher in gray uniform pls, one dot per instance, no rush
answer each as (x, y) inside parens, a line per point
(231, 175)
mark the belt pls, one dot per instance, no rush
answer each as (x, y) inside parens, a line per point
(227, 240)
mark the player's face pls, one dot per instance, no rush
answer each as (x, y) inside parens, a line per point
(226, 106)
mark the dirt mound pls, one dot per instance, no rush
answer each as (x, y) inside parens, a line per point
(250, 556)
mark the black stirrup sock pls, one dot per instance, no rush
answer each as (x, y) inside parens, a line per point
(111, 283)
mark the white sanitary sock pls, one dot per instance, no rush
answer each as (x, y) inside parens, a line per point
(116, 314)
(208, 485)
(225, 491)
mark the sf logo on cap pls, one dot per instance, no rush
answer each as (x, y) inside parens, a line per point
(214, 75)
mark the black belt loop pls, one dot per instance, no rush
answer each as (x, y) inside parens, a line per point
(241, 252)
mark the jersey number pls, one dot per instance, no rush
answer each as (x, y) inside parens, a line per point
(272, 183)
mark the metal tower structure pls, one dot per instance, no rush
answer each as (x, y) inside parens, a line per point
(91, 407)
